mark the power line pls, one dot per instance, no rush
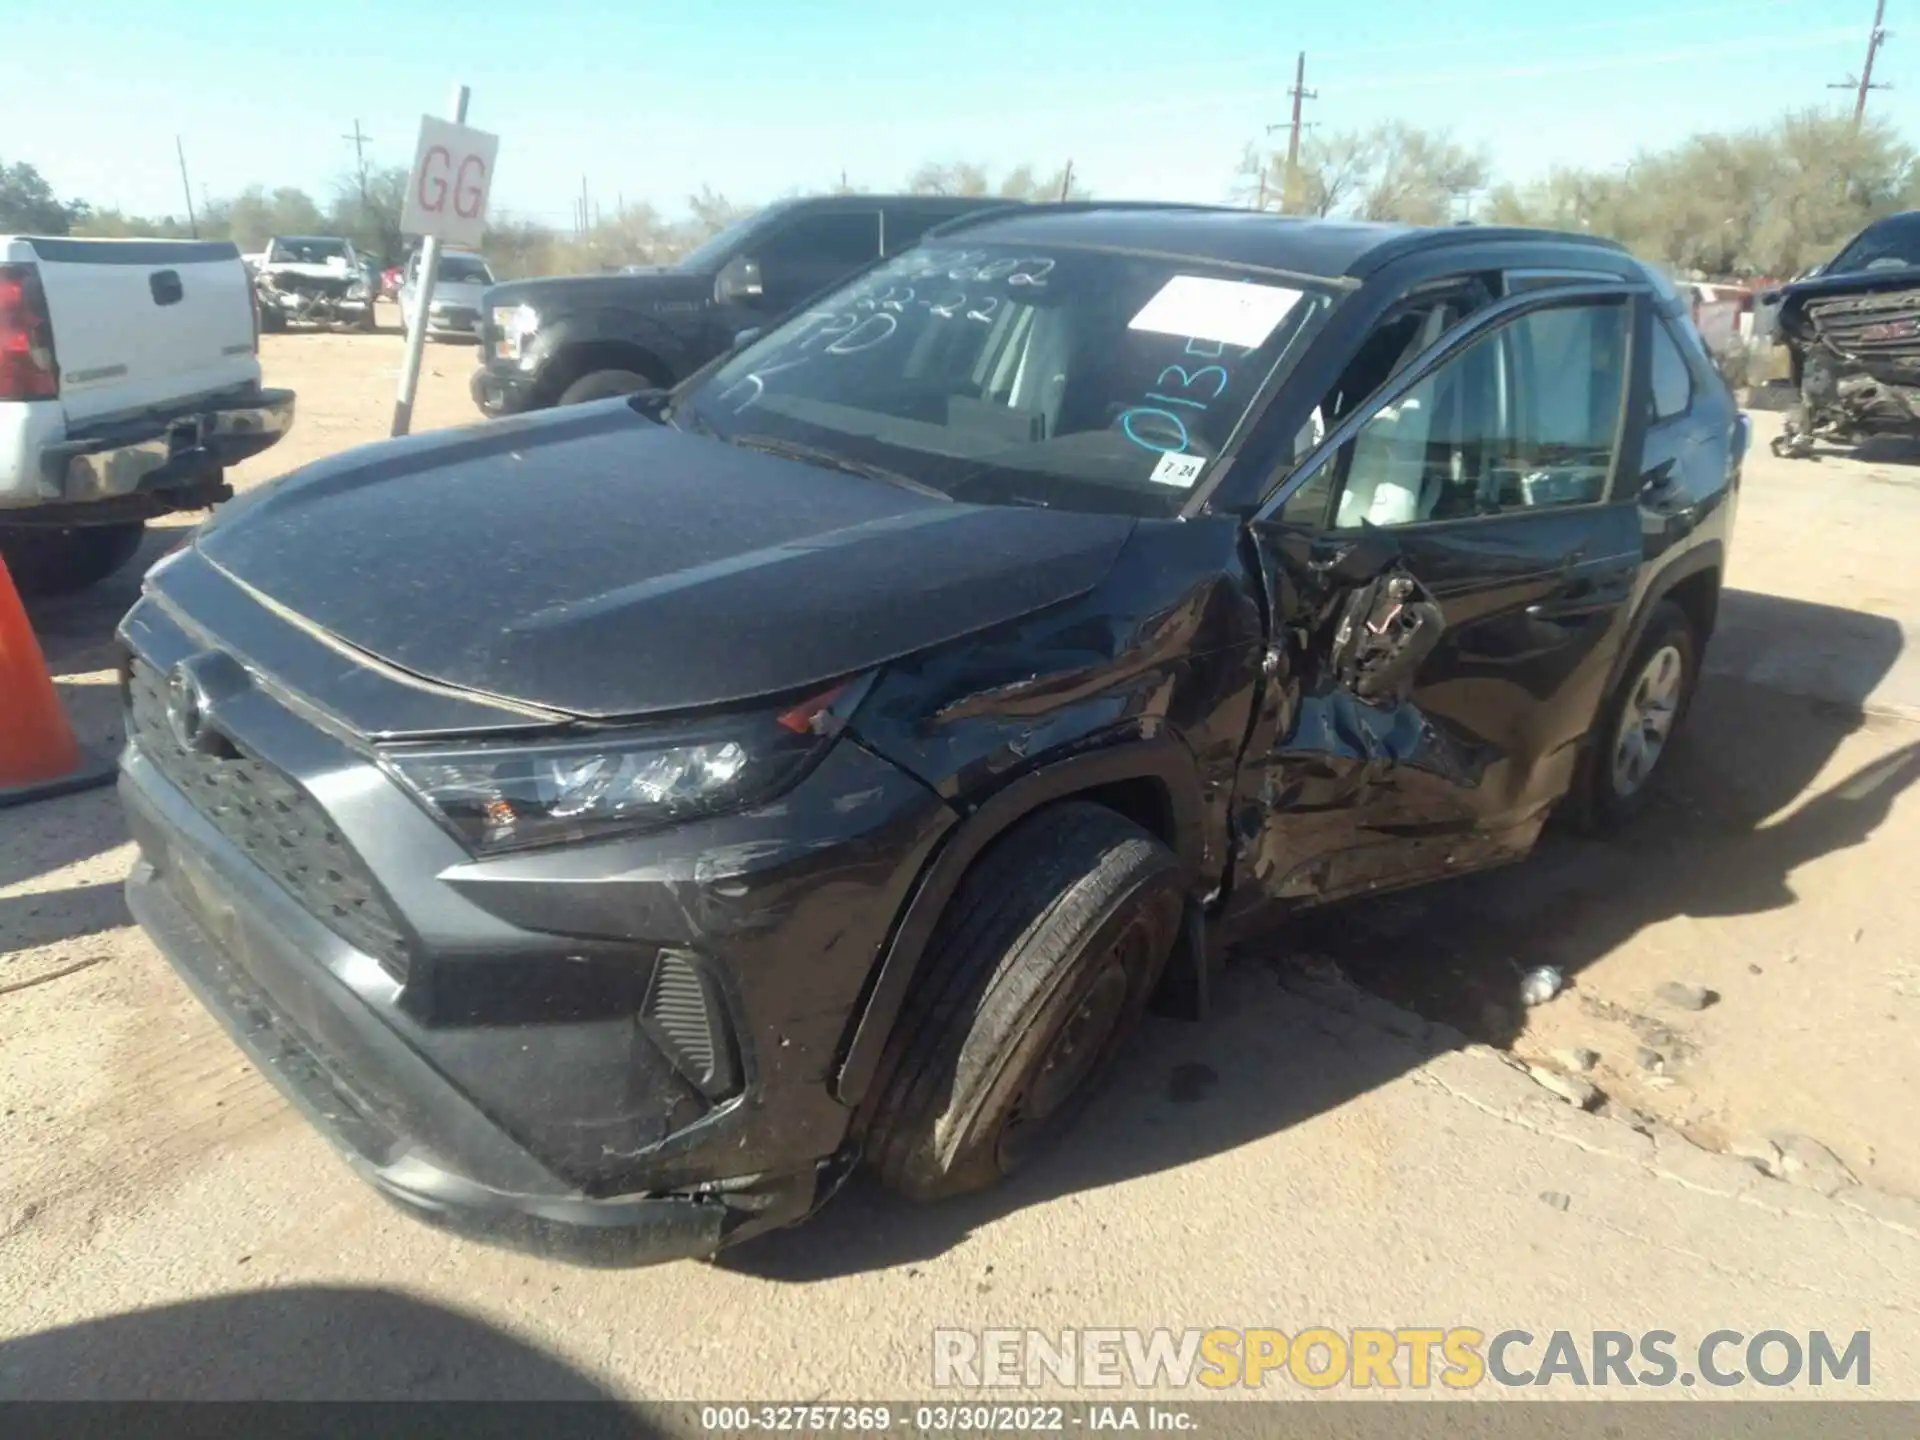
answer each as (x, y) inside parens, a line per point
(1876, 37)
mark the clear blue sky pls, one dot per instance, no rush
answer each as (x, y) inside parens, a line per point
(757, 97)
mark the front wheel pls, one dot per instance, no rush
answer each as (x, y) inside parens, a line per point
(1038, 972)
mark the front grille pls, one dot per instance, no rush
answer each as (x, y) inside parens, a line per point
(1883, 325)
(275, 823)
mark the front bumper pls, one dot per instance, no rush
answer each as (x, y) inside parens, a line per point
(514, 1076)
(452, 321)
(380, 1104)
(496, 394)
(175, 450)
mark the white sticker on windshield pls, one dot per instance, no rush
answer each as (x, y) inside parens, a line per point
(1179, 470)
(1229, 312)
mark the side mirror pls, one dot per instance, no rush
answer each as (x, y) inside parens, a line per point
(739, 282)
(744, 338)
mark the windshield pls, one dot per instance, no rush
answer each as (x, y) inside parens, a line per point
(464, 270)
(1023, 375)
(1890, 244)
(712, 252)
(308, 252)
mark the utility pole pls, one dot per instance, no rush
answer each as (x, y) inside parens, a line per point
(181, 150)
(1066, 181)
(1290, 183)
(1875, 39)
(360, 159)
(1299, 93)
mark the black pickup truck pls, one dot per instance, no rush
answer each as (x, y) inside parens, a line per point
(564, 339)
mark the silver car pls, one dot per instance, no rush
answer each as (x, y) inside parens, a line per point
(454, 311)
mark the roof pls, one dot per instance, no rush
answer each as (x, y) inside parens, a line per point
(1302, 245)
(959, 204)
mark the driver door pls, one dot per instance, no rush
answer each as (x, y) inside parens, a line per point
(1450, 573)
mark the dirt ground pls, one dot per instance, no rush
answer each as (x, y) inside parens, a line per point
(1776, 872)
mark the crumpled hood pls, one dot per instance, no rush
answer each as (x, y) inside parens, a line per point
(589, 561)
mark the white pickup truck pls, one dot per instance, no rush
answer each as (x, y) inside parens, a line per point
(129, 381)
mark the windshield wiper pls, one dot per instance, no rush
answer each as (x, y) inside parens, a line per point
(813, 455)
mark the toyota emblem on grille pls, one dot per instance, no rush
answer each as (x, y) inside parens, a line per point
(187, 709)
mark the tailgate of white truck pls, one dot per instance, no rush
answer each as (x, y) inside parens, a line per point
(145, 323)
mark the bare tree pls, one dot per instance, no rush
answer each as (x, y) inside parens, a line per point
(713, 212)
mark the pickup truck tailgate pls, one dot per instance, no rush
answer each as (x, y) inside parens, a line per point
(139, 323)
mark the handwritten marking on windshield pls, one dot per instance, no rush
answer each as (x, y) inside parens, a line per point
(1157, 423)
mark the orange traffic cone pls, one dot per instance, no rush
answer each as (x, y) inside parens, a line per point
(39, 756)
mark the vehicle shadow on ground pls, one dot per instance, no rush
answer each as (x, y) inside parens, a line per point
(305, 1343)
(47, 917)
(1277, 1051)
(1878, 450)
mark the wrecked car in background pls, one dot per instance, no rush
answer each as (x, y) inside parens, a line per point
(316, 280)
(1852, 330)
(615, 824)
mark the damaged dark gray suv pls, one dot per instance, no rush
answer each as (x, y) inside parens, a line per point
(613, 825)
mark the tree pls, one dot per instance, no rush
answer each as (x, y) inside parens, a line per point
(1765, 201)
(113, 224)
(711, 212)
(28, 205)
(964, 177)
(1394, 171)
(253, 216)
(372, 221)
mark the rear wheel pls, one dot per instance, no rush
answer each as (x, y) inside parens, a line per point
(46, 560)
(604, 385)
(1635, 730)
(1039, 970)
(369, 322)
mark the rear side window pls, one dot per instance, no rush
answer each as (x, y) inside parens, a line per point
(1672, 381)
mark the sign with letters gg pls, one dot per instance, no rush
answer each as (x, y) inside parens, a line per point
(452, 173)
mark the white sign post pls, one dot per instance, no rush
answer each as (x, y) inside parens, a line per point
(446, 201)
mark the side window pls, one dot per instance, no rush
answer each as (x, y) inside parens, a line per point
(1402, 335)
(1672, 387)
(1526, 416)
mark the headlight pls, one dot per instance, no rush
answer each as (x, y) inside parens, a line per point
(516, 325)
(510, 797)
